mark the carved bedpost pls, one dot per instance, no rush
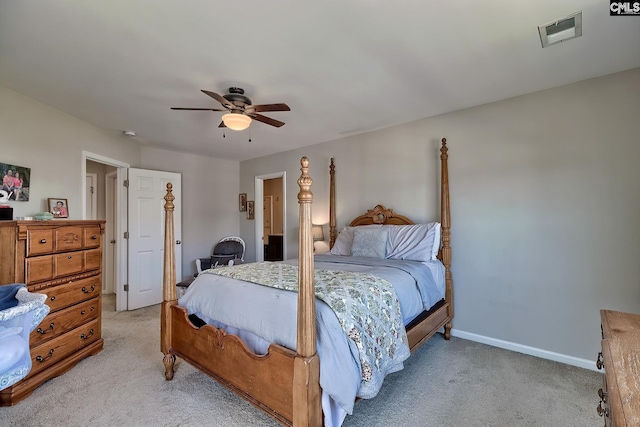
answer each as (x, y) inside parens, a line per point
(445, 218)
(168, 284)
(307, 409)
(333, 233)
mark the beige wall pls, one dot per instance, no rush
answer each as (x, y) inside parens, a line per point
(210, 200)
(544, 199)
(51, 143)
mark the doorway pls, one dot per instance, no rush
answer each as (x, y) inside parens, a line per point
(272, 221)
(270, 217)
(114, 207)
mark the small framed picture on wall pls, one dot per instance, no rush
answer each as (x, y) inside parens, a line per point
(243, 202)
(58, 207)
(250, 209)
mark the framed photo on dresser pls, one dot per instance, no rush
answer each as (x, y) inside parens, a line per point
(58, 207)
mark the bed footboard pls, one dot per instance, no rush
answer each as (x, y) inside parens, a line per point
(264, 380)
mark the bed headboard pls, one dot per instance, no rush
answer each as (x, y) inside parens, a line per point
(380, 215)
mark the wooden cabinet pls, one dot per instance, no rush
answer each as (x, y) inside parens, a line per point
(620, 358)
(62, 259)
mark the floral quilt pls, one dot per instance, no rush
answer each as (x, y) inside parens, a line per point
(366, 306)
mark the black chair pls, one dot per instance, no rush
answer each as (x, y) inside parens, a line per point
(228, 251)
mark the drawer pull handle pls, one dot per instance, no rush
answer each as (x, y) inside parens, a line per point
(42, 331)
(86, 291)
(43, 359)
(43, 241)
(69, 257)
(83, 312)
(603, 395)
(599, 362)
(603, 412)
(53, 298)
(85, 337)
(94, 237)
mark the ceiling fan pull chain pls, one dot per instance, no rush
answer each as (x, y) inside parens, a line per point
(223, 134)
(249, 135)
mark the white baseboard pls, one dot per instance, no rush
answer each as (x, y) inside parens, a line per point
(524, 349)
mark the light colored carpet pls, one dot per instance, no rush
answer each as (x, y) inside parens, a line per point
(445, 383)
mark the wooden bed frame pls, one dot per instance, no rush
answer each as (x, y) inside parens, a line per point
(284, 383)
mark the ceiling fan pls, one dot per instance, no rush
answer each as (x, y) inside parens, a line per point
(240, 109)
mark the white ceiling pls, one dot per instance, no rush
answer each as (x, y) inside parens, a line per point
(344, 67)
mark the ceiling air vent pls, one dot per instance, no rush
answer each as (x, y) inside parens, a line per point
(561, 30)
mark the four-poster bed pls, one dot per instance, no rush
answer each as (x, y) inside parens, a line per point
(283, 382)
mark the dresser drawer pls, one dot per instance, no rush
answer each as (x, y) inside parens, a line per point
(61, 296)
(92, 237)
(39, 242)
(53, 351)
(610, 404)
(604, 409)
(62, 321)
(68, 238)
(68, 264)
(49, 267)
(38, 269)
(92, 259)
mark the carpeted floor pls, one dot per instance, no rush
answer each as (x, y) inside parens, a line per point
(454, 383)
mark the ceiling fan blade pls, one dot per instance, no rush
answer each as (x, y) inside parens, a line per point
(222, 100)
(267, 120)
(197, 109)
(269, 107)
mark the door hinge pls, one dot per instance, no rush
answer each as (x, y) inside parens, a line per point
(126, 234)
(126, 288)
(126, 183)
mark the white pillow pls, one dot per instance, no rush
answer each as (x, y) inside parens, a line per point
(419, 242)
(368, 242)
(344, 241)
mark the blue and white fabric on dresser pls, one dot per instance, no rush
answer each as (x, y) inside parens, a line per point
(20, 313)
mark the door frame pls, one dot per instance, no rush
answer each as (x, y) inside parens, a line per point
(121, 226)
(258, 209)
(111, 210)
(270, 209)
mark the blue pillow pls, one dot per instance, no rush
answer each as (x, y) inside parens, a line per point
(370, 242)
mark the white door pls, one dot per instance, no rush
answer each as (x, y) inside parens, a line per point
(146, 192)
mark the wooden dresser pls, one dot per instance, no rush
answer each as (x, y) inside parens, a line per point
(62, 259)
(620, 358)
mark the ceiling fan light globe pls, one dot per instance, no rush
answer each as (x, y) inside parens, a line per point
(235, 121)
